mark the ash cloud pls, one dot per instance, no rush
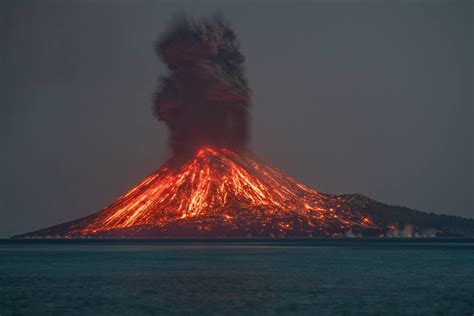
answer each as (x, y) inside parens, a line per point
(204, 98)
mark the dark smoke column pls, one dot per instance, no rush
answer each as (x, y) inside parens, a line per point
(204, 98)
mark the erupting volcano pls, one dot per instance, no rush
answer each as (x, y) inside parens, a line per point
(219, 192)
(213, 186)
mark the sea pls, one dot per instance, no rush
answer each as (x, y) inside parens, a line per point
(248, 276)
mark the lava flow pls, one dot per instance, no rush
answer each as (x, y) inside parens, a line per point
(220, 193)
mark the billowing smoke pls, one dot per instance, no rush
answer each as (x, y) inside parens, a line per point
(204, 98)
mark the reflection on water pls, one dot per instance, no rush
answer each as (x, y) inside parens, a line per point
(237, 277)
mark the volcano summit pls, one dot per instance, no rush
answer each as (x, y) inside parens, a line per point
(213, 186)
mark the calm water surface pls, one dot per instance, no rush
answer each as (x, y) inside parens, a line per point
(237, 277)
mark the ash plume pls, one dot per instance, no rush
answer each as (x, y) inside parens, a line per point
(204, 98)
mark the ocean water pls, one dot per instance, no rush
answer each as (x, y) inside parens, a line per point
(237, 277)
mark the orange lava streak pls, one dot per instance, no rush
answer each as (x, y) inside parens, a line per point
(220, 185)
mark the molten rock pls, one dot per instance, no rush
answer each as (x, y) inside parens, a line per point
(220, 193)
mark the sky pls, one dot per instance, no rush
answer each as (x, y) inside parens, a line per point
(348, 97)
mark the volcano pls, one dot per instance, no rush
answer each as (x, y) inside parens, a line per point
(214, 186)
(217, 192)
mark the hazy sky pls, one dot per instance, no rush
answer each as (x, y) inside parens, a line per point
(368, 98)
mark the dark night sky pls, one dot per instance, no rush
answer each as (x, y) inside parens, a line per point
(369, 98)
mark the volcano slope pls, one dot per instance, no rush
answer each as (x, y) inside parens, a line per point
(217, 192)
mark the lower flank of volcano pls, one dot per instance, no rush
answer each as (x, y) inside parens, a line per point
(217, 192)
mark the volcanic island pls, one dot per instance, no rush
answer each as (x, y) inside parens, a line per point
(213, 185)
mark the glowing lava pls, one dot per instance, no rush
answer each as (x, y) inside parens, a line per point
(219, 192)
